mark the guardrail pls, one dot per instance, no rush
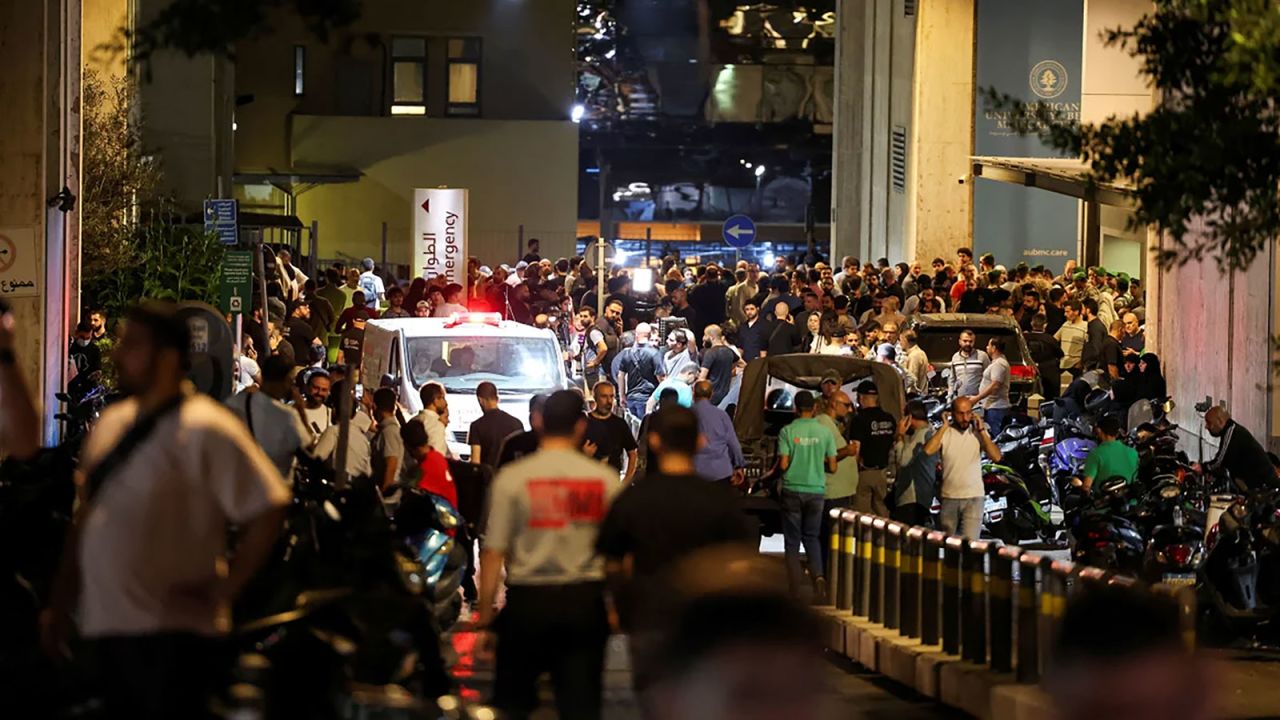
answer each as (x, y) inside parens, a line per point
(985, 603)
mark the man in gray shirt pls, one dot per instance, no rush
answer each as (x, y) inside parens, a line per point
(967, 367)
(994, 395)
(386, 448)
(545, 513)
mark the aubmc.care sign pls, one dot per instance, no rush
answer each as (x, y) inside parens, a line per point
(440, 233)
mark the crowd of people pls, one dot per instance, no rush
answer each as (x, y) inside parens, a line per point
(587, 547)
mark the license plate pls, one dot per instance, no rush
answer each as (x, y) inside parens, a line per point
(1179, 579)
(1000, 504)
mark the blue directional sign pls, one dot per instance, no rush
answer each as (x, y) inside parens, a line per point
(222, 217)
(739, 231)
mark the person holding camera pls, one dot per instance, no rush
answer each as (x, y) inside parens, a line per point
(962, 439)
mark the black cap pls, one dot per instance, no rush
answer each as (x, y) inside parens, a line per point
(866, 387)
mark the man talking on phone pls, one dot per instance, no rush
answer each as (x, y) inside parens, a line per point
(962, 440)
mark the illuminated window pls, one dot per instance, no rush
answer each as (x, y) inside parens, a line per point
(299, 69)
(408, 76)
(464, 76)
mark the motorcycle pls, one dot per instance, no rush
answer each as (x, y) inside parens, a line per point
(342, 614)
(1103, 535)
(1240, 578)
(1010, 513)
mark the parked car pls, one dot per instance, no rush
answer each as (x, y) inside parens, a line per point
(766, 405)
(939, 337)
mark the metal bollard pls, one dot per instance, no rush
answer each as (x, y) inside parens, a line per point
(973, 601)
(833, 558)
(1000, 590)
(875, 611)
(931, 588)
(892, 572)
(910, 570)
(1053, 601)
(845, 578)
(1028, 632)
(862, 598)
(952, 553)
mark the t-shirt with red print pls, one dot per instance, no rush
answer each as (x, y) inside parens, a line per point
(545, 512)
(436, 478)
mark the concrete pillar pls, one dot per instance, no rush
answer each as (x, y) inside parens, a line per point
(39, 150)
(939, 215)
(875, 42)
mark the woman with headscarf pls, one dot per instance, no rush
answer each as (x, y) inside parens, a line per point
(417, 291)
(1146, 383)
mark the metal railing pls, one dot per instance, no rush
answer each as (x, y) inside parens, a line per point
(985, 603)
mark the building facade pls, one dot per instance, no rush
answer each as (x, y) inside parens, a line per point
(475, 95)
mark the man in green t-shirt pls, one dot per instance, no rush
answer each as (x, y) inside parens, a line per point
(1111, 458)
(807, 452)
(843, 483)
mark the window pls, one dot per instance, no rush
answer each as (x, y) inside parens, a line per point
(408, 76)
(299, 69)
(464, 76)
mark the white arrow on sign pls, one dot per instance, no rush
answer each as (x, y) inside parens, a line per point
(738, 231)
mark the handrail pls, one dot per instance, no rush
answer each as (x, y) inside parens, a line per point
(992, 605)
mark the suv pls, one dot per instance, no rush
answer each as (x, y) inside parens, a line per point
(939, 337)
(460, 353)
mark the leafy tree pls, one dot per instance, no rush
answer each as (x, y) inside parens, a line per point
(1210, 152)
(196, 27)
(134, 244)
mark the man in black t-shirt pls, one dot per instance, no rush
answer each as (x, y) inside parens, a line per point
(487, 433)
(753, 335)
(299, 333)
(1112, 352)
(669, 514)
(86, 356)
(871, 432)
(608, 436)
(717, 363)
(519, 444)
(707, 299)
(638, 368)
(351, 346)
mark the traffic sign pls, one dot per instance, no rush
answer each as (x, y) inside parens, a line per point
(222, 217)
(739, 231)
(237, 281)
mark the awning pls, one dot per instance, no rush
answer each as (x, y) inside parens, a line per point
(1065, 176)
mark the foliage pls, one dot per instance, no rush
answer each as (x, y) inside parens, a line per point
(1205, 164)
(196, 27)
(133, 241)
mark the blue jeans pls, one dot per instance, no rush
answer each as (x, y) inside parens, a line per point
(994, 418)
(802, 523)
(636, 407)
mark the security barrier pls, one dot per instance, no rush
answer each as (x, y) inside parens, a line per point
(992, 605)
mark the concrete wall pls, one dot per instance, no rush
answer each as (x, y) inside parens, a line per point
(1113, 83)
(940, 213)
(519, 172)
(1213, 339)
(102, 22)
(526, 67)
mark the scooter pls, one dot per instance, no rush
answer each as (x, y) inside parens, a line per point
(1240, 578)
(1102, 533)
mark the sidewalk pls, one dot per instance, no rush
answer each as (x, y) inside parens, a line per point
(1250, 682)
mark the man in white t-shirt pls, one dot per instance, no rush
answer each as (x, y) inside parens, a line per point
(435, 405)
(374, 289)
(162, 475)
(315, 412)
(1072, 336)
(276, 427)
(962, 439)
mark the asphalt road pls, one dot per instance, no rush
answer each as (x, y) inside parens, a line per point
(852, 693)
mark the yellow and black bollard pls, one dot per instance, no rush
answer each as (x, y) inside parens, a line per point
(973, 601)
(833, 559)
(892, 573)
(862, 592)
(931, 588)
(1053, 602)
(1028, 632)
(875, 610)
(952, 553)
(910, 571)
(1000, 590)
(844, 587)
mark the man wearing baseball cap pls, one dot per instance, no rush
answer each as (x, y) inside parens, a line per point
(871, 432)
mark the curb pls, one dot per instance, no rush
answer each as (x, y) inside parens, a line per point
(965, 686)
